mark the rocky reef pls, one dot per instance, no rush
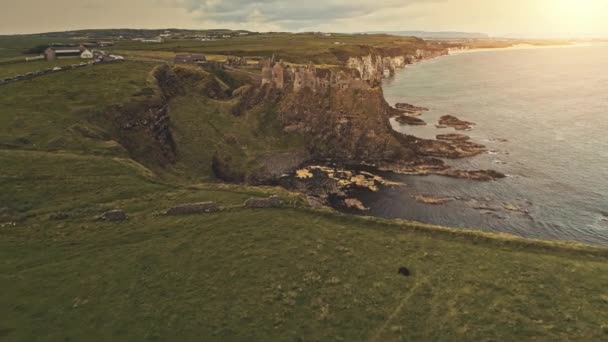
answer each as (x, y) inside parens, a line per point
(409, 108)
(456, 123)
(453, 137)
(409, 120)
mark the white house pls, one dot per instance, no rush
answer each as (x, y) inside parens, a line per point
(86, 54)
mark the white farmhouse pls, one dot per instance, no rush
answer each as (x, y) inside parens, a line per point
(86, 54)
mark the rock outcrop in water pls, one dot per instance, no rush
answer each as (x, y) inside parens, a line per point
(453, 137)
(456, 123)
(410, 109)
(409, 120)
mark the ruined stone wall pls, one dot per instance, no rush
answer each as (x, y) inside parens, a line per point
(319, 81)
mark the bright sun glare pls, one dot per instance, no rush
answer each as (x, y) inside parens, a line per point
(580, 13)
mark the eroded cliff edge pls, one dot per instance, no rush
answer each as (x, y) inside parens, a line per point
(258, 130)
(343, 113)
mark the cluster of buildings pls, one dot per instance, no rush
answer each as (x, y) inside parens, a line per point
(57, 52)
(157, 40)
(190, 59)
(236, 61)
(201, 59)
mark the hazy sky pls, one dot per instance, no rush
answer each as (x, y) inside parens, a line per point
(495, 17)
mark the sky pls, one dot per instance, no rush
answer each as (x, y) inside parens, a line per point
(522, 18)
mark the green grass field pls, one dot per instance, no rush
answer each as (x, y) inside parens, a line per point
(296, 48)
(14, 69)
(49, 112)
(15, 46)
(290, 273)
(274, 274)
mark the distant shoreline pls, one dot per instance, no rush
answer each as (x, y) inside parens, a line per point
(524, 47)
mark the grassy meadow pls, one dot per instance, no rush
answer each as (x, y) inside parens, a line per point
(289, 273)
(14, 69)
(17, 45)
(296, 48)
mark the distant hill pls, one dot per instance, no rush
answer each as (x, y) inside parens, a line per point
(127, 33)
(443, 34)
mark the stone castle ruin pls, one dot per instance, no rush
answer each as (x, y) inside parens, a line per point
(357, 73)
(296, 78)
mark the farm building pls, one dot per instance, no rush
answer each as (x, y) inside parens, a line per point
(86, 54)
(186, 59)
(54, 53)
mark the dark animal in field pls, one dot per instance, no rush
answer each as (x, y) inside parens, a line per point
(404, 271)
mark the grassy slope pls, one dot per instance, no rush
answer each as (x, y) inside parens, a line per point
(201, 125)
(241, 274)
(41, 113)
(284, 274)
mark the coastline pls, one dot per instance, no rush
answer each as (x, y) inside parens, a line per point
(507, 156)
(342, 185)
(455, 51)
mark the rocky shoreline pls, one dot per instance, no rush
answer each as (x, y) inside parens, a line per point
(336, 182)
(344, 119)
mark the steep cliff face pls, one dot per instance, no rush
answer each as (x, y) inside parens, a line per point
(377, 66)
(374, 67)
(344, 124)
(342, 110)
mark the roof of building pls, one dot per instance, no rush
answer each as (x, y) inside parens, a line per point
(65, 49)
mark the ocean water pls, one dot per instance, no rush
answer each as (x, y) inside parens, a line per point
(543, 114)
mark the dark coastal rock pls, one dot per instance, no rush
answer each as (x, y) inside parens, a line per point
(443, 149)
(432, 199)
(410, 120)
(258, 202)
(433, 166)
(470, 147)
(479, 175)
(453, 137)
(315, 202)
(454, 122)
(114, 215)
(408, 108)
(353, 203)
(273, 165)
(193, 208)
(419, 166)
(336, 185)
